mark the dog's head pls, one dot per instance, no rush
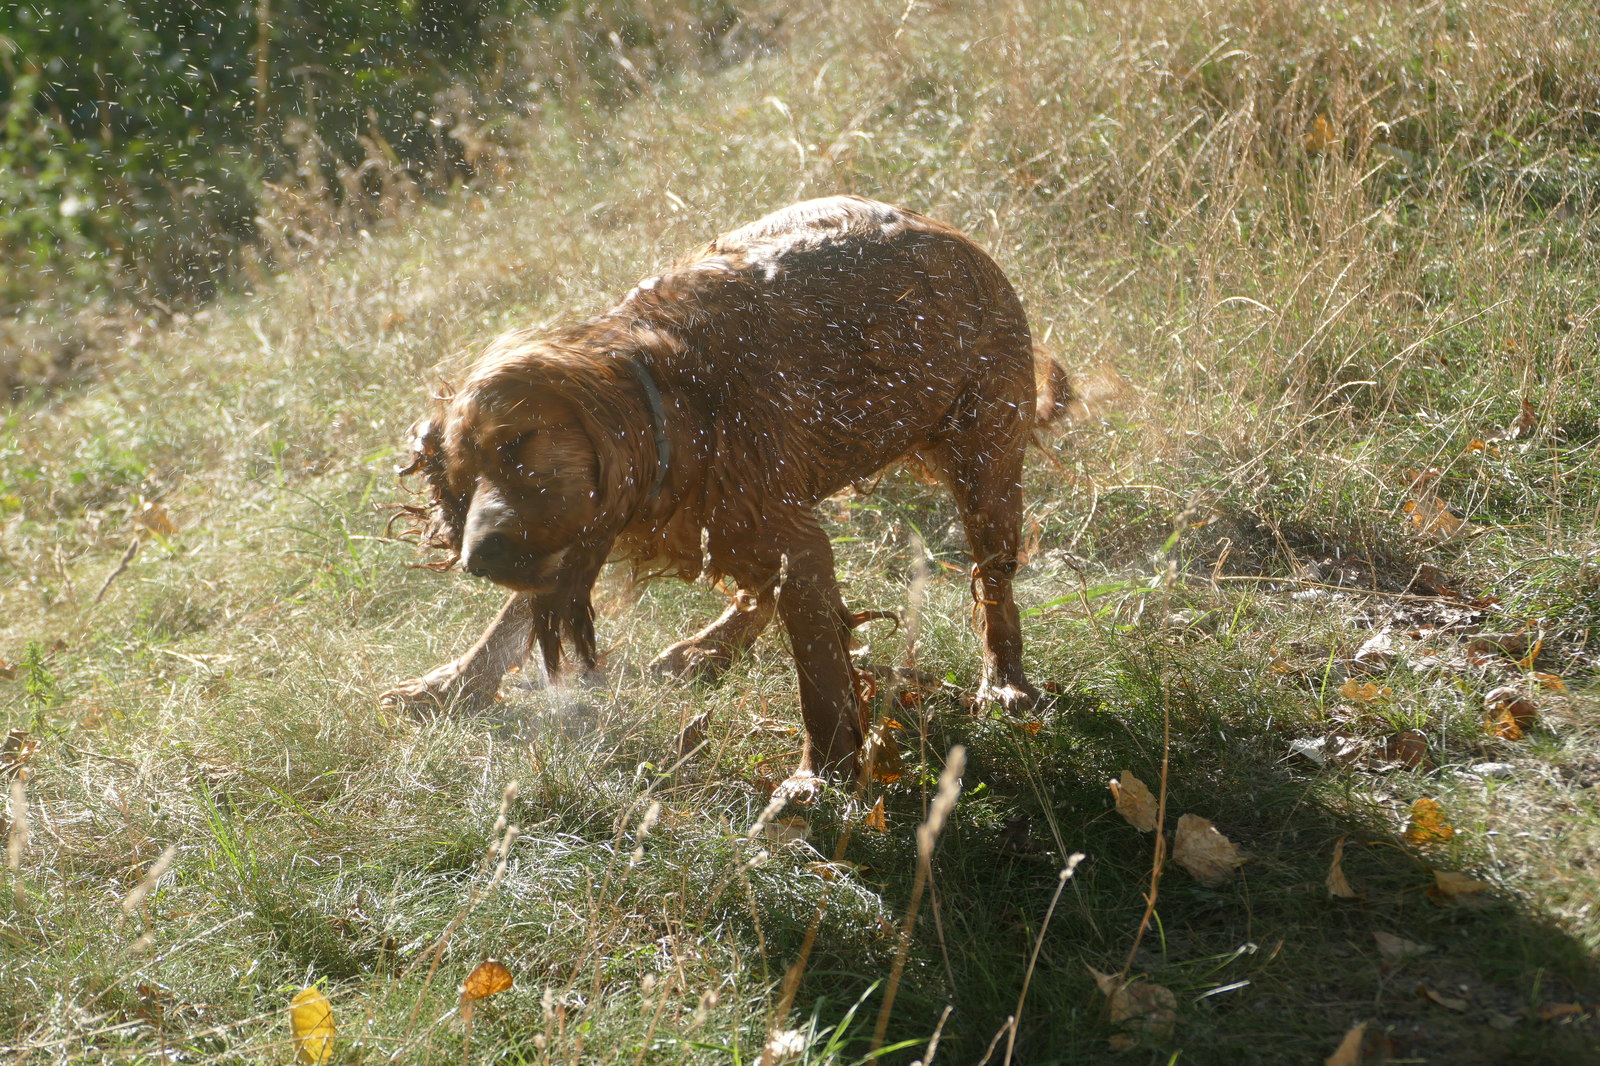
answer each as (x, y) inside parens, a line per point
(529, 465)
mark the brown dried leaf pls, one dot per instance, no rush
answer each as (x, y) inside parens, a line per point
(1409, 749)
(1431, 517)
(1338, 884)
(1554, 1012)
(15, 752)
(1508, 714)
(1486, 648)
(1377, 653)
(1428, 824)
(1200, 848)
(1363, 691)
(887, 767)
(1135, 802)
(1525, 423)
(490, 977)
(154, 518)
(877, 819)
(1447, 1002)
(1457, 889)
(1396, 948)
(1549, 682)
(1144, 1010)
(1362, 1046)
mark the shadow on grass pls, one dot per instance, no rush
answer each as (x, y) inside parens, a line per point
(1265, 968)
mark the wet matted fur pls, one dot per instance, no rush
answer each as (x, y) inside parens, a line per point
(692, 429)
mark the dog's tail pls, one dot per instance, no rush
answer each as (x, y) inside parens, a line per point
(1052, 388)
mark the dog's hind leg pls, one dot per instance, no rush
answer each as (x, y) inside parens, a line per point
(983, 468)
(710, 652)
(472, 681)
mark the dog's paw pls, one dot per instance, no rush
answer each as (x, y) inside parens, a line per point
(690, 660)
(802, 787)
(446, 688)
(1013, 697)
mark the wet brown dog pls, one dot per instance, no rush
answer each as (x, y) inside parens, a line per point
(692, 428)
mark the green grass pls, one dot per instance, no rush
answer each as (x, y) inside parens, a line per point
(1271, 342)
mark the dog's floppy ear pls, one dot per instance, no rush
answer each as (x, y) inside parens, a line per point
(424, 440)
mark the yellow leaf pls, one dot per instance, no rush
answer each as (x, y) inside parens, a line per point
(1363, 691)
(877, 819)
(1204, 851)
(311, 1022)
(1428, 824)
(1457, 889)
(1135, 801)
(1338, 884)
(1321, 136)
(1030, 728)
(489, 978)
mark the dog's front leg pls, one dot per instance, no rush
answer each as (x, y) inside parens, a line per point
(813, 613)
(472, 681)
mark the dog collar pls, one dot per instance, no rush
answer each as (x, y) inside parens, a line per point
(658, 424)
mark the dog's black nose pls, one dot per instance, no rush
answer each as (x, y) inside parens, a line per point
(487, 556)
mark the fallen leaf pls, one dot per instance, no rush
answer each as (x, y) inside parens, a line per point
(8, 670)
(489, 978)
(1483, 446)
(1456, 889)
(787, 830)
(1320, 137)
(1525, 423)
(832, 871)
(1552, 1012)
(1486, 648)
(1200, 848)
(154, 517)
(1409, 749)
(1362, 1046)
(311, 1023)
(1338, 884)
(1144, 1010)
(15, 752)
(1397, 948)
(1431, 517)
(1549, 682)
(1363, 691)
(1447, 1002)
(1376, 653)
(1030, 728)
(884, 750)
(1135, 802)
(1428, 824)
(1508, 714)
(877, 819)
(391, 320)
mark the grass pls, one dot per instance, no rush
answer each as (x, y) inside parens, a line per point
(1295, 256)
